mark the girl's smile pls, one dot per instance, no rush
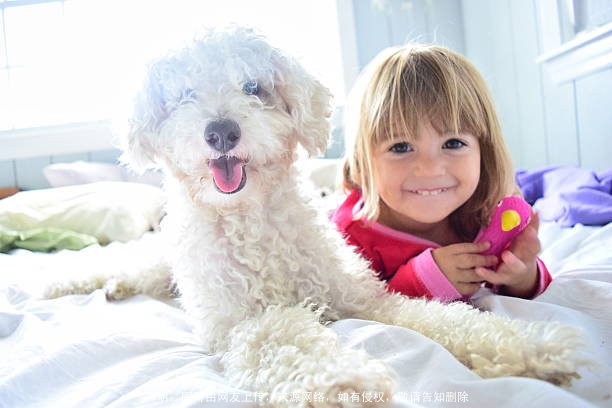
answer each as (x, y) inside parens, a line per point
(430, 192)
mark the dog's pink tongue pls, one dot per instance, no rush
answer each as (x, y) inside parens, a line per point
(227, 173)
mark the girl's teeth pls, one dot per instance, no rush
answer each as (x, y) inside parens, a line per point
(430, 192)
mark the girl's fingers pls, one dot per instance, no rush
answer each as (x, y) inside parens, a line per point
(488, 260)
(527, 241)
(511, 265)
(526, 245)
(512, 261)
(535, 221)
(468, 276)
(471, 261)
(489, 275)
(469, 247)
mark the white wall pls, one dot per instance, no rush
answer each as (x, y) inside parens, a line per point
(544, 123)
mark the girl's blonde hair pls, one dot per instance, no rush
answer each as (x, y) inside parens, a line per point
(401, 86)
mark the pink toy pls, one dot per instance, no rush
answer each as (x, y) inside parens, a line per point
(511, 216)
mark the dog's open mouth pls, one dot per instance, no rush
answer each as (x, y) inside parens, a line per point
(229, 174)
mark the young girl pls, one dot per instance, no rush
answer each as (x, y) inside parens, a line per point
(427, 166)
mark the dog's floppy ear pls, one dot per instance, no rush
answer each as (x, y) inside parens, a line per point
(308, 102)
(153, 105)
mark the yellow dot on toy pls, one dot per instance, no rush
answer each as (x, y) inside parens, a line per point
(510, 219)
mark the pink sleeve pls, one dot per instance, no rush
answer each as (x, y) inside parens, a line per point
(544, 278)
(421, 277)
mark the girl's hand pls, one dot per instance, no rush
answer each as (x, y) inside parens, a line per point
(458, 263)
(518, 270)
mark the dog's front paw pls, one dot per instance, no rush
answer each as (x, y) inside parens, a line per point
(558, 373)
(372, 386)
(546, 351)
(118, 289)
(114, 288)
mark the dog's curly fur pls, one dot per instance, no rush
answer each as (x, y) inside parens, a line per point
(260, 269)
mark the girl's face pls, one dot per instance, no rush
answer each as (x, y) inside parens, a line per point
(422, 182)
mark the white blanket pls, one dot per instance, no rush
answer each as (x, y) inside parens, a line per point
(84, 351)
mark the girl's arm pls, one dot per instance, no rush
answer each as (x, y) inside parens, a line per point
(421, 277)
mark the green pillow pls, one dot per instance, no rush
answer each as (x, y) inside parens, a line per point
(43, 239)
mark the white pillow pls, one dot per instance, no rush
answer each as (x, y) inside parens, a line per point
(80, 172)
(324, 173)
(110, 211)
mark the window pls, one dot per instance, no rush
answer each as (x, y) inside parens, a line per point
(68, 61)
(580, 16)
(578, 42)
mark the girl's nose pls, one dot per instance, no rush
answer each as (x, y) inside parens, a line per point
(428, 164)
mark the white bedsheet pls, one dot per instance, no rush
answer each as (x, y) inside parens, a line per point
(83, 351)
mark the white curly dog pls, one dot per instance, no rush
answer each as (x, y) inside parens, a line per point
(260, 269)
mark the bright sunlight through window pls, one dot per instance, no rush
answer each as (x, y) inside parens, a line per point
(83, 60)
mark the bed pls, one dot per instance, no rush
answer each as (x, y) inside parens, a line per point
(82, 350)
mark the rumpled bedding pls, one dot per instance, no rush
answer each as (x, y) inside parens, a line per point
(82, 351)
(568, 195)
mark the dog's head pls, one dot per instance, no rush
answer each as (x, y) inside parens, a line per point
(225, 115)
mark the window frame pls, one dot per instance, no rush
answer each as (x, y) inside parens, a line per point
(587, 53)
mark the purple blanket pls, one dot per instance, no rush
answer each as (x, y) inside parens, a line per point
(568, 195)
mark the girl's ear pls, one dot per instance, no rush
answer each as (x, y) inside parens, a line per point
(308, 102)
(348, 182)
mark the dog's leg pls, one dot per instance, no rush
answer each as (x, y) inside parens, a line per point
(144, 275)
(153, 280)
(295, 361)
(491, 345)
(137, 267)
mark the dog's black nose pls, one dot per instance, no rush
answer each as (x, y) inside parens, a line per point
(222, 134)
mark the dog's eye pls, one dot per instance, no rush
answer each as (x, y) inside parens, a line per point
(250, 88)
(187, 95)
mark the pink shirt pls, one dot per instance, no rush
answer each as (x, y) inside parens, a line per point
(403, 260)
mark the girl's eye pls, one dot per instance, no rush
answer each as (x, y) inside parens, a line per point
(454, 144)
(401, 147)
